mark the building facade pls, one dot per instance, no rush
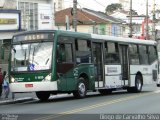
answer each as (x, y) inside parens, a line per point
(36, 14)
(22, 15)
(59, 5)
(90, 21)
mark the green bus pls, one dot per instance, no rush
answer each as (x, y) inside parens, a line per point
(54, 61)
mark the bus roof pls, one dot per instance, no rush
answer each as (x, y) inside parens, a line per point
(59, 32)
(123, 40)
(93, 36)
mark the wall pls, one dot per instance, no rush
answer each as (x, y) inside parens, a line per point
(9, 21)
(45, 17)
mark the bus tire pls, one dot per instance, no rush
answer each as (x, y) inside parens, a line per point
(138, 84)
(43, 96)
(81, 89)
(105, 92)
(158, 85)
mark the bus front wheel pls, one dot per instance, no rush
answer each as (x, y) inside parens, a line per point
(81, 89)
(43, 96)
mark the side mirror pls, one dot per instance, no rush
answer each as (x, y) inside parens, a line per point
(2, 52)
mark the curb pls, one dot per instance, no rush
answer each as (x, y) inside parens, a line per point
(18, 100)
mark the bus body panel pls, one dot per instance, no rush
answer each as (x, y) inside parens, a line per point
(68, 81)
(146, 71)
(33, 86)
(113, 77)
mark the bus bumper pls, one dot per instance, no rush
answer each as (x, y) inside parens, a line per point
(33, 86)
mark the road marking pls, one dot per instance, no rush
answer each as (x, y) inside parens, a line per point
(92, 106)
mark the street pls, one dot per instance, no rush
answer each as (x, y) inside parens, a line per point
(59, 106)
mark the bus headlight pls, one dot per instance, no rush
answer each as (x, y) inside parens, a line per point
(47, 78)
(12, 80)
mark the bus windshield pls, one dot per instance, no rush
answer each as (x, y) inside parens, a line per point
(31, 56)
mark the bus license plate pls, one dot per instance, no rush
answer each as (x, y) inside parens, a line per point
(28, 85)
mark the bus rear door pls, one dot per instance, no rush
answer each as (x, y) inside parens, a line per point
(124, 64)
(98, 62)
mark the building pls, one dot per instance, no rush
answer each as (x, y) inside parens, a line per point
(20, 15)
(90, 21)
(137, 20)
(125, 4)
(9, 25)
(36, 14)
(59, 5)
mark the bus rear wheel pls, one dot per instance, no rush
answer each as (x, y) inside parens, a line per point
(138, 85)
(43, 96)
(81, 89)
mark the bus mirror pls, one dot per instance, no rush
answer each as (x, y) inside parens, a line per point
(2, 52)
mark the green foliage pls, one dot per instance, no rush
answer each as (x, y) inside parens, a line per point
(112, 7)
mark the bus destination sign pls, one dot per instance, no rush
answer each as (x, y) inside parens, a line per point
(33, 37)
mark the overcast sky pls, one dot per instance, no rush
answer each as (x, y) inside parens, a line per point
(100, 5)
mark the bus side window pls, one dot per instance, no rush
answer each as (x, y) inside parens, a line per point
(83, 51)
(133, 54)
(143, 55)
(152, 54)
(112, 53)
(61, 56)
(64, 55)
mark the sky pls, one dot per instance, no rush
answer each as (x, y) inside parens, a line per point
(100, 5)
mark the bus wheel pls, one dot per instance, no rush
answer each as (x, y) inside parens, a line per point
(138, 84)
(81, 89)
(158, 85)
(105, 92)
(43, 96)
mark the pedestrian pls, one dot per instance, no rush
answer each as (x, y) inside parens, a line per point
(5, 84)
(1, 82)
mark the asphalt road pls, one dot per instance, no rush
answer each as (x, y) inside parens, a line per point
(94, 106)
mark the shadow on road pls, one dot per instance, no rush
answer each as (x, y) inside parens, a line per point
(90, 95)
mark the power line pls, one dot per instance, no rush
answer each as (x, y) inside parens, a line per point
(100, 3)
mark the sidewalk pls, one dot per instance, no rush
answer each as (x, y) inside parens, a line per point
(18, 97)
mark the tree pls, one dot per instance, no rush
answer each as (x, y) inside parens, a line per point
(112, 7)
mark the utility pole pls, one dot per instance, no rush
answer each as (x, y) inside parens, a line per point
(147, 37)
(154, 21)
(67, 23)
(75, 15)
(17, 4)
(130, 24)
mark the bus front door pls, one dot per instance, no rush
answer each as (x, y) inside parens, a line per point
(98, 62)
(124, 64)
